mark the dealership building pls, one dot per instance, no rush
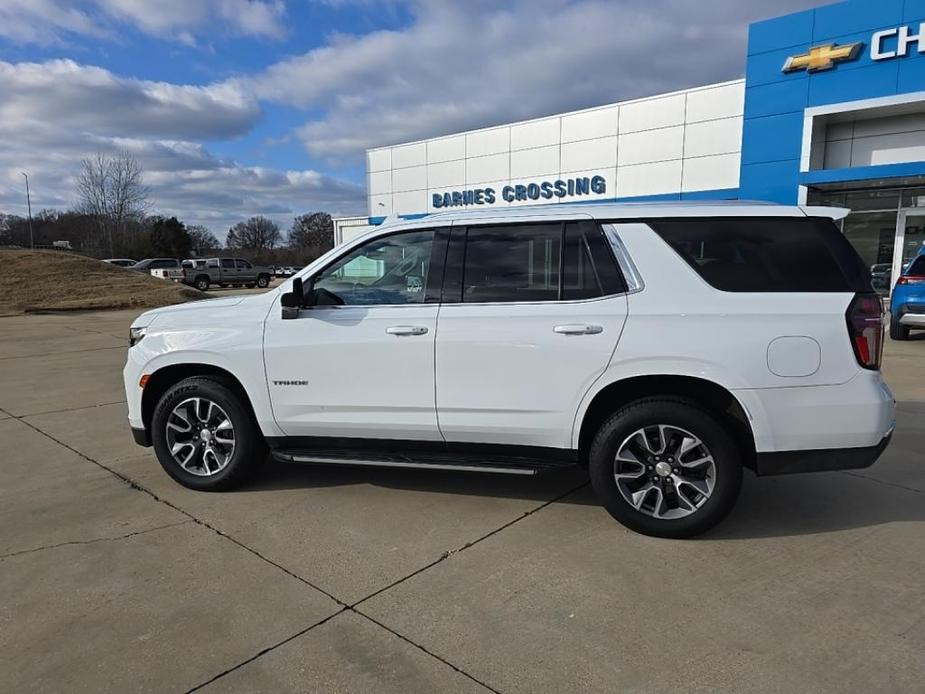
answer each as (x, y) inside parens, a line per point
(831, 112)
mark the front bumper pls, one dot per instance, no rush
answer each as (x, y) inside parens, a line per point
(827, 460)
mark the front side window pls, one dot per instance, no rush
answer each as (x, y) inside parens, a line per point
(228, 263)
(243, 264)
(385, 271)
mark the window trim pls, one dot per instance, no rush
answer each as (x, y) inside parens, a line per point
(437, 265)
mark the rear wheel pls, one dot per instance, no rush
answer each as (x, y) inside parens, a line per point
(263, 281)
(202, 284)
(897, 330)
(665, 467)
(205, 437)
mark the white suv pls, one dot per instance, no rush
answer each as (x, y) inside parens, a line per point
(664, 347)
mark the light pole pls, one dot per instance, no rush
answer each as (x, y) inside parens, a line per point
(29, 204)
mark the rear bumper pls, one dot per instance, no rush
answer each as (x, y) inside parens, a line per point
(790, 462)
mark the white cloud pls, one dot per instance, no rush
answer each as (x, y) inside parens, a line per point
(51, 21)
(462, 65)
(54, 114)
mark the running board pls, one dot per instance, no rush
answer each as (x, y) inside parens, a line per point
(462, 463)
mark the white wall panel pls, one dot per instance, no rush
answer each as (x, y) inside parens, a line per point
(446, 149)
(660, 112)
(713, 137)
(380, 205)
(535, 134)
(601, 122)
(379, 159)
(491, 168)
(711, 173)
(837, 154)
(379, 182)
(409, 155)
(449, 174)
(414, 202)
(649, 179)
(530, 163)
(888, 149)
(412, 178)
(488, 142)
(650, 146)
(839, 131)
(716, 102)
(589, 154)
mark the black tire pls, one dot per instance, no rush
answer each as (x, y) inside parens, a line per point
(250, 450)
(674, 412)
(263, 281)
(897, 330)
(202, 283)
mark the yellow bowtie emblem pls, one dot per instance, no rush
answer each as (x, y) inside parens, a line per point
(823, 57)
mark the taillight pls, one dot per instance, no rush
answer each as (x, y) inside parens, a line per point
(910, 279)
(865, 328)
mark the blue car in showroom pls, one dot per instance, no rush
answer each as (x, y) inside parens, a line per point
(907, 304)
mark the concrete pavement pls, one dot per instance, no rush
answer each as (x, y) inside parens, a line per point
(313, 579)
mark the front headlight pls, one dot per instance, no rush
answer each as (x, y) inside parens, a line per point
(135, 335)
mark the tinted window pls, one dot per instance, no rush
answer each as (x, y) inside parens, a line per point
(918, 267)
(228, 263)
(514, 263)
(384, 271)
(243, 264)
(767, 255)
(589, 268)
(162, 263)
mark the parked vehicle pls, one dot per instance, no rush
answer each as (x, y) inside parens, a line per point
(665, 347)
(285, 271)
(225, 272)
(149, 264)
(907, 305)
(120, 262)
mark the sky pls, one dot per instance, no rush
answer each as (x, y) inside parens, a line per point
(244, 107)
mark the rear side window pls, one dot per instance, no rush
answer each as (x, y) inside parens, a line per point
(538, 263)
(780, 254)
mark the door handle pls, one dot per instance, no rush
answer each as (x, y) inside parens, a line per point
(402, 330)
(578, 329)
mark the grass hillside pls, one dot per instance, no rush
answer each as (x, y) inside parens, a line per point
(59, 281)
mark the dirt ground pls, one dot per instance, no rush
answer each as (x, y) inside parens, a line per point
(33, 281)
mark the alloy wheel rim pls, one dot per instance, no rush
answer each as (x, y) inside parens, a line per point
(200, 437)
(664, 471)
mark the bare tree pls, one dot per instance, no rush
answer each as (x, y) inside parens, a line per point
(112, 190)
(203, 240)
(312, 234)
(256, 234)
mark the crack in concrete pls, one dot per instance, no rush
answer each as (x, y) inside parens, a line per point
(345, 607)
(93, 541)
(55, 354)
(884, 483)
(66, 409)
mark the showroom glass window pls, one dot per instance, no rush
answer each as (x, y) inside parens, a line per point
(387, 271)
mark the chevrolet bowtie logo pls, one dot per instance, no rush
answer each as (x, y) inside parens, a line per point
(823, 57)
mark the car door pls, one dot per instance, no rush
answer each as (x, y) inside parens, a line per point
(364, 367)
(526, 326)
(229, 273)
(245, 271)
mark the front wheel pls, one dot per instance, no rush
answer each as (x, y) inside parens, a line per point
(665, 467)
(263, 281)
(205, 437)
(202, 284)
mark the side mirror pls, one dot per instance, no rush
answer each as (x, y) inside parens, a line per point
(292, 302)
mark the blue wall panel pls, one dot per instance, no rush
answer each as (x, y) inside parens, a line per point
(775, 101)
